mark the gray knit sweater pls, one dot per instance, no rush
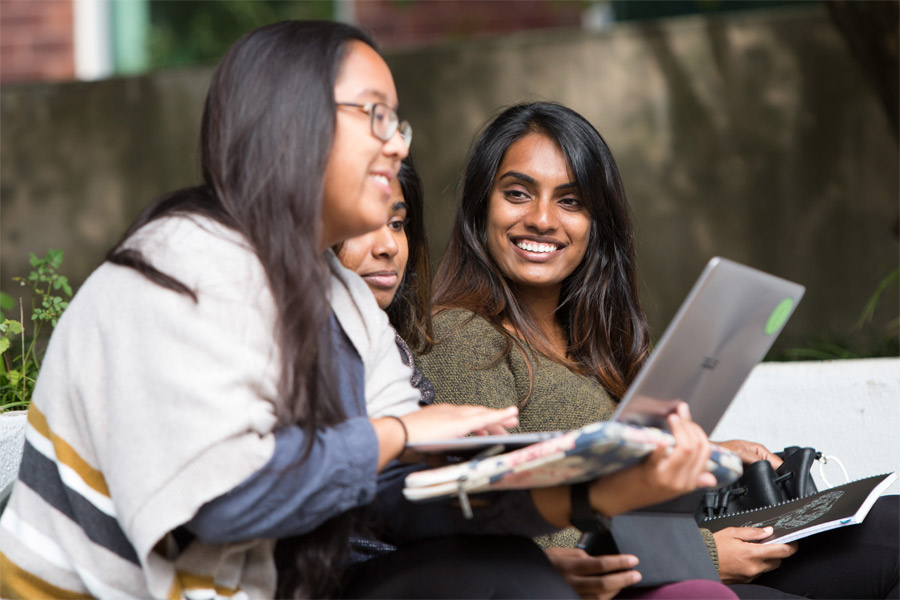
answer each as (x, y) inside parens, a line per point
(462, 367)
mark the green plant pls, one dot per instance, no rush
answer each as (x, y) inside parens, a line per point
(20, 357)
(890, 281)
(833, 345)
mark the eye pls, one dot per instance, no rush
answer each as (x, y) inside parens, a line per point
(515, 195)
(570, 202)
(397, 224)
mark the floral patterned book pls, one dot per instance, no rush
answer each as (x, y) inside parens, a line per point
(583, 454)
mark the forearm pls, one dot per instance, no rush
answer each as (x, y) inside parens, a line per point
(292, 495)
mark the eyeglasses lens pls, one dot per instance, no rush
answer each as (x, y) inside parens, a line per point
(385, 123)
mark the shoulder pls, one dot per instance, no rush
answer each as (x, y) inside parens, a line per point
(205, 255)
(183, 238)
(458, 323)
(469, 343)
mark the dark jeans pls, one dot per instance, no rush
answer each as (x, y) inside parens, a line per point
(459, 567)
(858, 561)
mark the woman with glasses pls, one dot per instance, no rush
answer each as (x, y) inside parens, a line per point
(219, 398)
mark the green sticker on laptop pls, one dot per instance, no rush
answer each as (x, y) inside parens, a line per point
(779, 316)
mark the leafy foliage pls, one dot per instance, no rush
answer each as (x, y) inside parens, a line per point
(191, 32)
(831, 347)
(19, 360)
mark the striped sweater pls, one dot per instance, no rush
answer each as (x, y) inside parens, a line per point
(148, 406)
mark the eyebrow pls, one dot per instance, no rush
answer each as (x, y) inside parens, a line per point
(380, 95)
(532, 181)
(398, 206)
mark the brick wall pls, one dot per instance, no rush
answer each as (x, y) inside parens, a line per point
(404, 22)
(36, 40)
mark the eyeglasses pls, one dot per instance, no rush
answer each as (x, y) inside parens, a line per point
(384, 120)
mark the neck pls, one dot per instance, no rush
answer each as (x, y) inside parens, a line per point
(541, 304)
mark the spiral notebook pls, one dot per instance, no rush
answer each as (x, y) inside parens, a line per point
(829, 509)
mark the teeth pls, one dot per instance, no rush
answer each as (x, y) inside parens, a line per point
(536, 247)
(381, 179)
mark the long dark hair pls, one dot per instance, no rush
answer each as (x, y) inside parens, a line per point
(267, 132)
(599, 308)
(410, 310)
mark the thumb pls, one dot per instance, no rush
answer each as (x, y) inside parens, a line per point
(752, 534)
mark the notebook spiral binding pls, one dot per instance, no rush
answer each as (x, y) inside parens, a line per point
(786, 502)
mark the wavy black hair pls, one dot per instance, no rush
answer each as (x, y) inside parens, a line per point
(410, 310)
(599, 307)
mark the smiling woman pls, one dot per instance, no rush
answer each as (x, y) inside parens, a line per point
(538, 307)
(542, 204)
(538, 228)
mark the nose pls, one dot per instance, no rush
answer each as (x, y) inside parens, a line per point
(395, 146)
(541, 215)
(384, 245)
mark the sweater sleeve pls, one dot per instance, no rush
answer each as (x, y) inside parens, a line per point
(292, 495)
(710, 542)
(463, 367)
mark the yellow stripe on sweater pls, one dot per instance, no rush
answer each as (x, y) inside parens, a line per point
(190, 581)
(67, 455)
(19, 583)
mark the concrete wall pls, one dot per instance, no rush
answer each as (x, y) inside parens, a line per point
(847, 408)
(753, 136)
(750, 136)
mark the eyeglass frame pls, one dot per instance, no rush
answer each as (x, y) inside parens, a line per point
(369, 109)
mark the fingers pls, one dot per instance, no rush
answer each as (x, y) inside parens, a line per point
(691, 452)
(595, 576)
(576, 561)
(750, 452)
(440, 421)
(609, 563)
(751, 534)
(742, 558)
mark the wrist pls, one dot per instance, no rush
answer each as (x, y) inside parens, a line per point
(391, 434)
(583, 514)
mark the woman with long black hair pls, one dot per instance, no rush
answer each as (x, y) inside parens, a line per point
(537, 306)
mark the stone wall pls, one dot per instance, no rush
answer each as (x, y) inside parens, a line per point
(752, 136)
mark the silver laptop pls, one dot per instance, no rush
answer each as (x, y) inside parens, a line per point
(724, 327)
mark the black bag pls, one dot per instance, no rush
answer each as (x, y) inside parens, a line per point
(761, 486)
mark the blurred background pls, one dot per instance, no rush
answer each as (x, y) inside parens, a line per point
(762, 131)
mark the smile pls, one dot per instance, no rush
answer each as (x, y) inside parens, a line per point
(381, 179)
(540, 248)
(383, 182)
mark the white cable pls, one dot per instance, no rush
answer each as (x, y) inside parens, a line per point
(824, 461)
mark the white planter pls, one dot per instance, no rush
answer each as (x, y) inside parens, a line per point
(12, 442)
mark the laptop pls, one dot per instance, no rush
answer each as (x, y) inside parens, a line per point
(725, 326)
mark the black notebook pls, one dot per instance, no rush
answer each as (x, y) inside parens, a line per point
(839, 506)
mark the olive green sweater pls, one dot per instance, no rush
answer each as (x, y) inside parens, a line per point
(463, 368)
